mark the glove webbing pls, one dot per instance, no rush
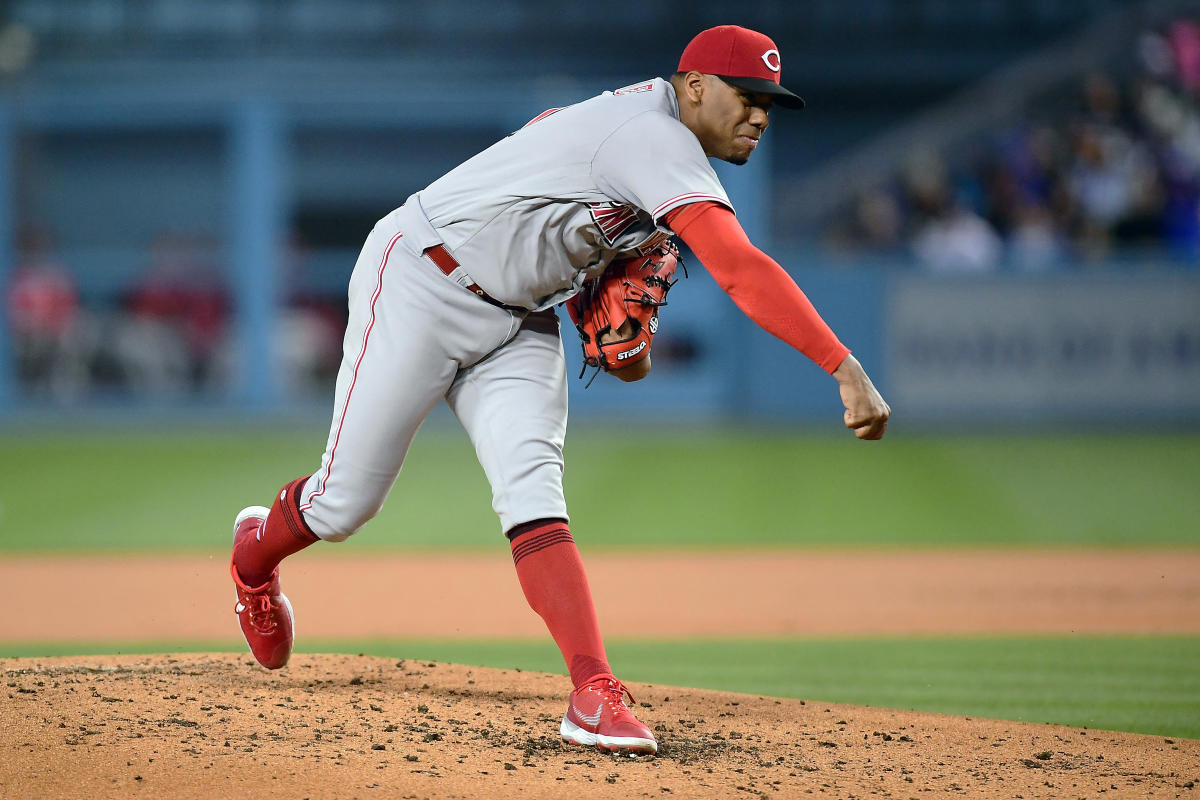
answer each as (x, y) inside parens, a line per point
(641, 298)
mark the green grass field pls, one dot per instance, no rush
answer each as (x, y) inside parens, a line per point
(179, 491)
(160, 491)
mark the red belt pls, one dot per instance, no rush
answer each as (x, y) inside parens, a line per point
(447, 264)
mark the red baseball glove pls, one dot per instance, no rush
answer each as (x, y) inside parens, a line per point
(616, 314)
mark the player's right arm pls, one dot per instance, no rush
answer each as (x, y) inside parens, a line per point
(769, 296)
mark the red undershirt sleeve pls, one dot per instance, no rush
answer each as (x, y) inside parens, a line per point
(756, 283)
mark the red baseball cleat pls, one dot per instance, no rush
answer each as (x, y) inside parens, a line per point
(597, 715)
(263, 611)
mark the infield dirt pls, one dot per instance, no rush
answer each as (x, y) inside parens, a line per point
(156, 598)
(205, 726)
(217, 725)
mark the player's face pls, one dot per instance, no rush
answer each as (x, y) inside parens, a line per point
(730, 121)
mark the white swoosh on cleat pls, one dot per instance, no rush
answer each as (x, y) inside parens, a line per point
(590, 719)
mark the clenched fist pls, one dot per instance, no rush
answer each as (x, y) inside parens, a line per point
(866, 412)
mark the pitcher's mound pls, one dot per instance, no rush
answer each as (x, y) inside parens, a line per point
(217, 725)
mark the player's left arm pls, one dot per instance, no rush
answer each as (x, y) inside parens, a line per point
(769, 296)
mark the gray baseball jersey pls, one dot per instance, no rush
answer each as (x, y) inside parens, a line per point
(528, 220)
(536, 214)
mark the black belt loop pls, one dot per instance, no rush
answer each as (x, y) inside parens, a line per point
(440, 256)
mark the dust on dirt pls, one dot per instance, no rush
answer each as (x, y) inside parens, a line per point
(201, 726)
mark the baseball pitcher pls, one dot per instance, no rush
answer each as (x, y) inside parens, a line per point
(452, 298)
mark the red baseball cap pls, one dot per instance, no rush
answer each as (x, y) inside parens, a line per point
(741, 57)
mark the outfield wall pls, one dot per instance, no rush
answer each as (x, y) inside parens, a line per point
(1113, 347)
(1066, 347)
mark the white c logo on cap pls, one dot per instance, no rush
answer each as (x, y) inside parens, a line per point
(766, 57)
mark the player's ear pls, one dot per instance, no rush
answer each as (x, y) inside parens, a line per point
(694, 84)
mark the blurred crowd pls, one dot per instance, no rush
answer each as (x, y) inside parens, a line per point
(167, 333)
(1115, 165)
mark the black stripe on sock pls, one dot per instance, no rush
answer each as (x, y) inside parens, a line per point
(529, 527)
(292, 515)
(540, 542)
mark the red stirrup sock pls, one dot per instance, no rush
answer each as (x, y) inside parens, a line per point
(284, 532)
(552, 577)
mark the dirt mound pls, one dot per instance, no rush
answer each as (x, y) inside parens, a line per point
(202, 726)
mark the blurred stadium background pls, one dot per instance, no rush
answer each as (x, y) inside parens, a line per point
(994, 202)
